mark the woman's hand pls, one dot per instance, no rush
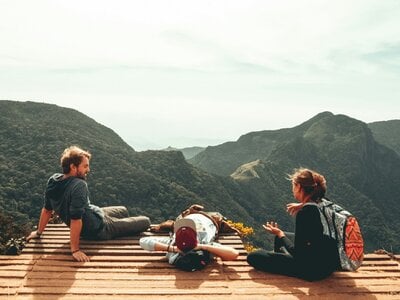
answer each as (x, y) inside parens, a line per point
(272, 227)
(293, 208)
(33, 235)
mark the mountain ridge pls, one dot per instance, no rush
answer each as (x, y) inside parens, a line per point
(359, 170)
(163, 183)
(35, 135)
(385, 133)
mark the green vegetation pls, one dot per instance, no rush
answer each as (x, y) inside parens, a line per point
(387, 133)
(159, 184)
(362, 175)
(12, 226)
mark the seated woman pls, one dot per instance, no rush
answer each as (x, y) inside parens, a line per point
(312, 256)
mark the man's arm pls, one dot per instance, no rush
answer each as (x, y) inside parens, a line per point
(159, 246)
(224, 252)
(45, 216)
(75, 233)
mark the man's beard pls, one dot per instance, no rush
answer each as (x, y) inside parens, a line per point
(81, 175)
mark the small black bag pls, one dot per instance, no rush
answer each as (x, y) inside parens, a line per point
(15, 246)
(193, 260)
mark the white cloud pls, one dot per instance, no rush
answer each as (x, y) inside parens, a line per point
(183, 69)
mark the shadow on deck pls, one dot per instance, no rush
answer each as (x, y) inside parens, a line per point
(121, 269)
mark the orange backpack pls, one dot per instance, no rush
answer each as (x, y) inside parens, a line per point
(342, 226)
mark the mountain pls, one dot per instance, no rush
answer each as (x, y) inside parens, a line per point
(188, 152)
(225, 158)
(155, 183)
(387, 133)
(362, 174)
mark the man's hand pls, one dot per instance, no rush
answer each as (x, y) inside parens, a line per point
(33, 235)
(293, 208)
(222, 251)
(74, 233)
(272, 227)
(80, 256)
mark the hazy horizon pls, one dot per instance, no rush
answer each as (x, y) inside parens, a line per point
(202, 143)
(191, 73)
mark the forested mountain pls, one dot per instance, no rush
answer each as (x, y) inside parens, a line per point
(387, 133)
(362, 174)
(225, 158)
(159, 184)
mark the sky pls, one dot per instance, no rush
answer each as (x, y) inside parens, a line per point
(198, 73)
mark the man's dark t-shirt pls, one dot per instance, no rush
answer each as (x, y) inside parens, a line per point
(69, 198)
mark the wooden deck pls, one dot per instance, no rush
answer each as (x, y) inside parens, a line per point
(120, 269)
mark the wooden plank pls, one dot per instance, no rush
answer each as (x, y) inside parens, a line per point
(120, 268)
(13, 262)
(63, 229)
(123, 291)
(318, 290)
(378, 263)
(129, 247)
(12, 274)
(213, 297)
(10, 282)
(248, 268)
(381, 268)
(104, 264)
(169, 297)
(161, 297)
(56, 225)
(16, 268)
(372, 256)
(66, 233)
(131, 241)
(215, 268)
(105, 258)
(120, 259)
(84, 246)
(335, 296)
(173, 275)
(8, 291)
(110, 252)
(257, 275)
(329, 282)
(191, 283)
(362, 275)
(46, 240)
(266, 290)
(19, 257)
(375, 264)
